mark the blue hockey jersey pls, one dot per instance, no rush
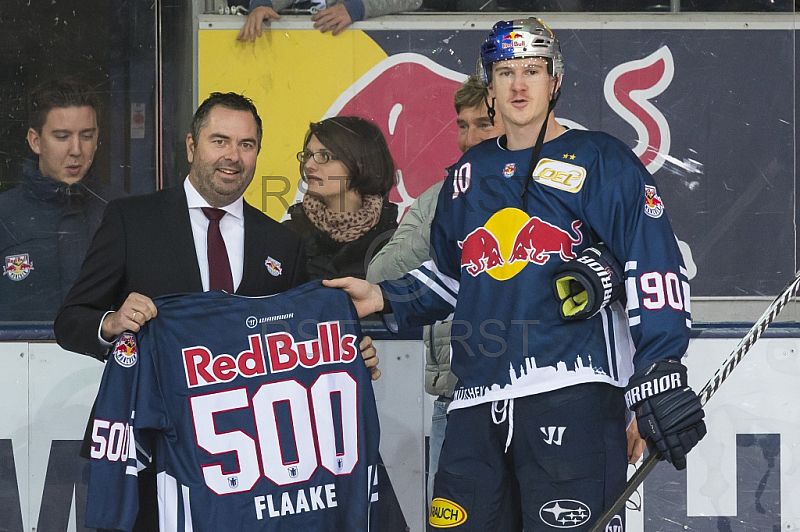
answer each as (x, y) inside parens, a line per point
(257, 413)
(494, 261)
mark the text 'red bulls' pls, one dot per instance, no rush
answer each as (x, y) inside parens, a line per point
(282, 354)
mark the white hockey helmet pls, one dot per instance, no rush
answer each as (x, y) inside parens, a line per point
(515, 39)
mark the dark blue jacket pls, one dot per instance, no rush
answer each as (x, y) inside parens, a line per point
(45, 230)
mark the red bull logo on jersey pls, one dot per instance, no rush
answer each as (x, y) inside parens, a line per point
(511, 239)
(125, 350)
(480, 251)
(653, 206)
(446, 514)
(509, 169)
(274, 353)
(538, 239)
(18, 267)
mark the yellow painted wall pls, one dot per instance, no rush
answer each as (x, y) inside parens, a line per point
(293, 77)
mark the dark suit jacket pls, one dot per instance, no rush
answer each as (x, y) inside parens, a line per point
(144, 244)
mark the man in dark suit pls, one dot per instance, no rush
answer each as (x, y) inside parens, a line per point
(157, 244)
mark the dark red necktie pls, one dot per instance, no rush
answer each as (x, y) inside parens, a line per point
(219, 268)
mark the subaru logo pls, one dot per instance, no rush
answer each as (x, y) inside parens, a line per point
(564, 513)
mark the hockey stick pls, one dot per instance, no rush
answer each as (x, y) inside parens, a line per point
(708, 390)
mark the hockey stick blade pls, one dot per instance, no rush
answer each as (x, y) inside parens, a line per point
(711, 387)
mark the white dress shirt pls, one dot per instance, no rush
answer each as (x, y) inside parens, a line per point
(231, 226)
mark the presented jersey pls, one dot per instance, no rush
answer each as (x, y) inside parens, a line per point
(257, 414)
(496, 254)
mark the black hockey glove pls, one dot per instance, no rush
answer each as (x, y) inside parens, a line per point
(668, 412)
(587, 284)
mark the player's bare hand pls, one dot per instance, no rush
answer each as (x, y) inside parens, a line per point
(636, 443)
(134, 312)
(334, 19)
(370, 356)
(366, 297)
(254, 24)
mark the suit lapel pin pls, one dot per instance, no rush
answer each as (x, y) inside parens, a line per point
(273, 266)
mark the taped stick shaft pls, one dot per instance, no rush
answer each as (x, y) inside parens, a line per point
(711, 387)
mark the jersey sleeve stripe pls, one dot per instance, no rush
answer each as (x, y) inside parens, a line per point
(187, 510)
(446, 281)
(168, 502)
(437, 289)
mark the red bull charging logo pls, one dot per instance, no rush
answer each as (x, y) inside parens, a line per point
(653, 206)
(18, 267)
(511, 239)
(125, 350)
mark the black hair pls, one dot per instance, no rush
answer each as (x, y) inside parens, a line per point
(228, 100)
(362, 148)
(59, 93)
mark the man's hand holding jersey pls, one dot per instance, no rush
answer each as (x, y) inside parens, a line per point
(366, 297)
(131, 316)
(370, 356)
(668, 411)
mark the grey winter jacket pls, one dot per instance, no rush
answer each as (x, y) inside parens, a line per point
(409, 248)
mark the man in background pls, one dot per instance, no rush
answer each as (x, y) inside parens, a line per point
(47, 222)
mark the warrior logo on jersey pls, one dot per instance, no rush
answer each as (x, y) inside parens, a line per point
(125, 350)
(233, 482)
(292, 472)
(509, 170)
(273, 267)
(564, 513)
(653, 206)
(18, 266)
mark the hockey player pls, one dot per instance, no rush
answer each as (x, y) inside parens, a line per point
(536, 430)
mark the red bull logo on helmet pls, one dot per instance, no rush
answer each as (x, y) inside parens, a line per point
(18, 267)
(513, 39)
(510, 240)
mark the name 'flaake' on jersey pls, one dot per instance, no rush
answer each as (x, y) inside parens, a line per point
(257, 414)
(494, 264)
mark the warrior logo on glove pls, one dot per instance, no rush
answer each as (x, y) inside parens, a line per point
(668, 413)
(589, 283)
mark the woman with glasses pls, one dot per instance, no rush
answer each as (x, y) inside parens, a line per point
(345, 216)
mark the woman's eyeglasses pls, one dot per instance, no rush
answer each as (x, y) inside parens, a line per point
(320, 157)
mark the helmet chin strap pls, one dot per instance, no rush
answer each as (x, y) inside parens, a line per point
(537, 148)
(490, 108)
